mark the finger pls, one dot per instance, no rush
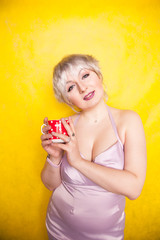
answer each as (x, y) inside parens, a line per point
(46, 129)
(46, 136)
(46, 143)
(67, 126)
(71, 125)
(45, 121)
(61, 146)
(61, 136)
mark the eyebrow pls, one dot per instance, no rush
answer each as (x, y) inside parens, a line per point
(68, 81)
(78, 75)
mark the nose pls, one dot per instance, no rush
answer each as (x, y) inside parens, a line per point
(82, 87)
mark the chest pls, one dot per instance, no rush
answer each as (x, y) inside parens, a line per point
(95, 139)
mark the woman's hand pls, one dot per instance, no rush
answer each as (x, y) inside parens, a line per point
(50, 147)
(71, 144)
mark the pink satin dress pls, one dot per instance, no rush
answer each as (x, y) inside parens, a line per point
(79, 209)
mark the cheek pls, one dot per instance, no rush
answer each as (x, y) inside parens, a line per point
(99, 85)
(100, 90)
(72, 98)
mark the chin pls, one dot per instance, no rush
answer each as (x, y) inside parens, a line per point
(89, 105)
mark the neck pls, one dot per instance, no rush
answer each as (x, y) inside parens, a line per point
(96, 113)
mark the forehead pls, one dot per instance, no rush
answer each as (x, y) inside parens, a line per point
(74, 72)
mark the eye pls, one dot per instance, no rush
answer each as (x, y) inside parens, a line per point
(85, 76)
(70, 88)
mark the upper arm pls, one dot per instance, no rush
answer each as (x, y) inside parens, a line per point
(135, 147)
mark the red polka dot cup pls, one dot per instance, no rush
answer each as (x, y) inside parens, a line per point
(56, 126)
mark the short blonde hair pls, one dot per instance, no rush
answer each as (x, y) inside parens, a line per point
(70, 63)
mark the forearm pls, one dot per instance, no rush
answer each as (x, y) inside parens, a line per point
(114, 180)
(50, 175)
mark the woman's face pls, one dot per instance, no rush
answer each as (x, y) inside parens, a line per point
(84, 88)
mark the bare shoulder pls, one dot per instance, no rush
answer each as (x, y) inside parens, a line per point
(128, 122)
(126, 117)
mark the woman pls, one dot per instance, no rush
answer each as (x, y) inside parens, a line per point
(102, 161)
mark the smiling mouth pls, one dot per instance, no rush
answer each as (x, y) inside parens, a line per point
(89, 96)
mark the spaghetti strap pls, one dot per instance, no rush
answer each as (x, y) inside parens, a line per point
(76, 120)
(112, 122)
(114, 126)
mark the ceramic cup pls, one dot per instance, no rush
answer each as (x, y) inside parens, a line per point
(56, 126)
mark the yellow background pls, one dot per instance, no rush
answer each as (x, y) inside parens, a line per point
(125, 37)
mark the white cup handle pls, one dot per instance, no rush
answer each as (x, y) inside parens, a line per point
(42, 127)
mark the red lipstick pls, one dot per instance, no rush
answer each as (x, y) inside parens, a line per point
(89, 96)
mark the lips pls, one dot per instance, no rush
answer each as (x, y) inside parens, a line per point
(89, 96)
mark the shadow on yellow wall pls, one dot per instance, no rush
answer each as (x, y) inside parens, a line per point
(34, 36)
